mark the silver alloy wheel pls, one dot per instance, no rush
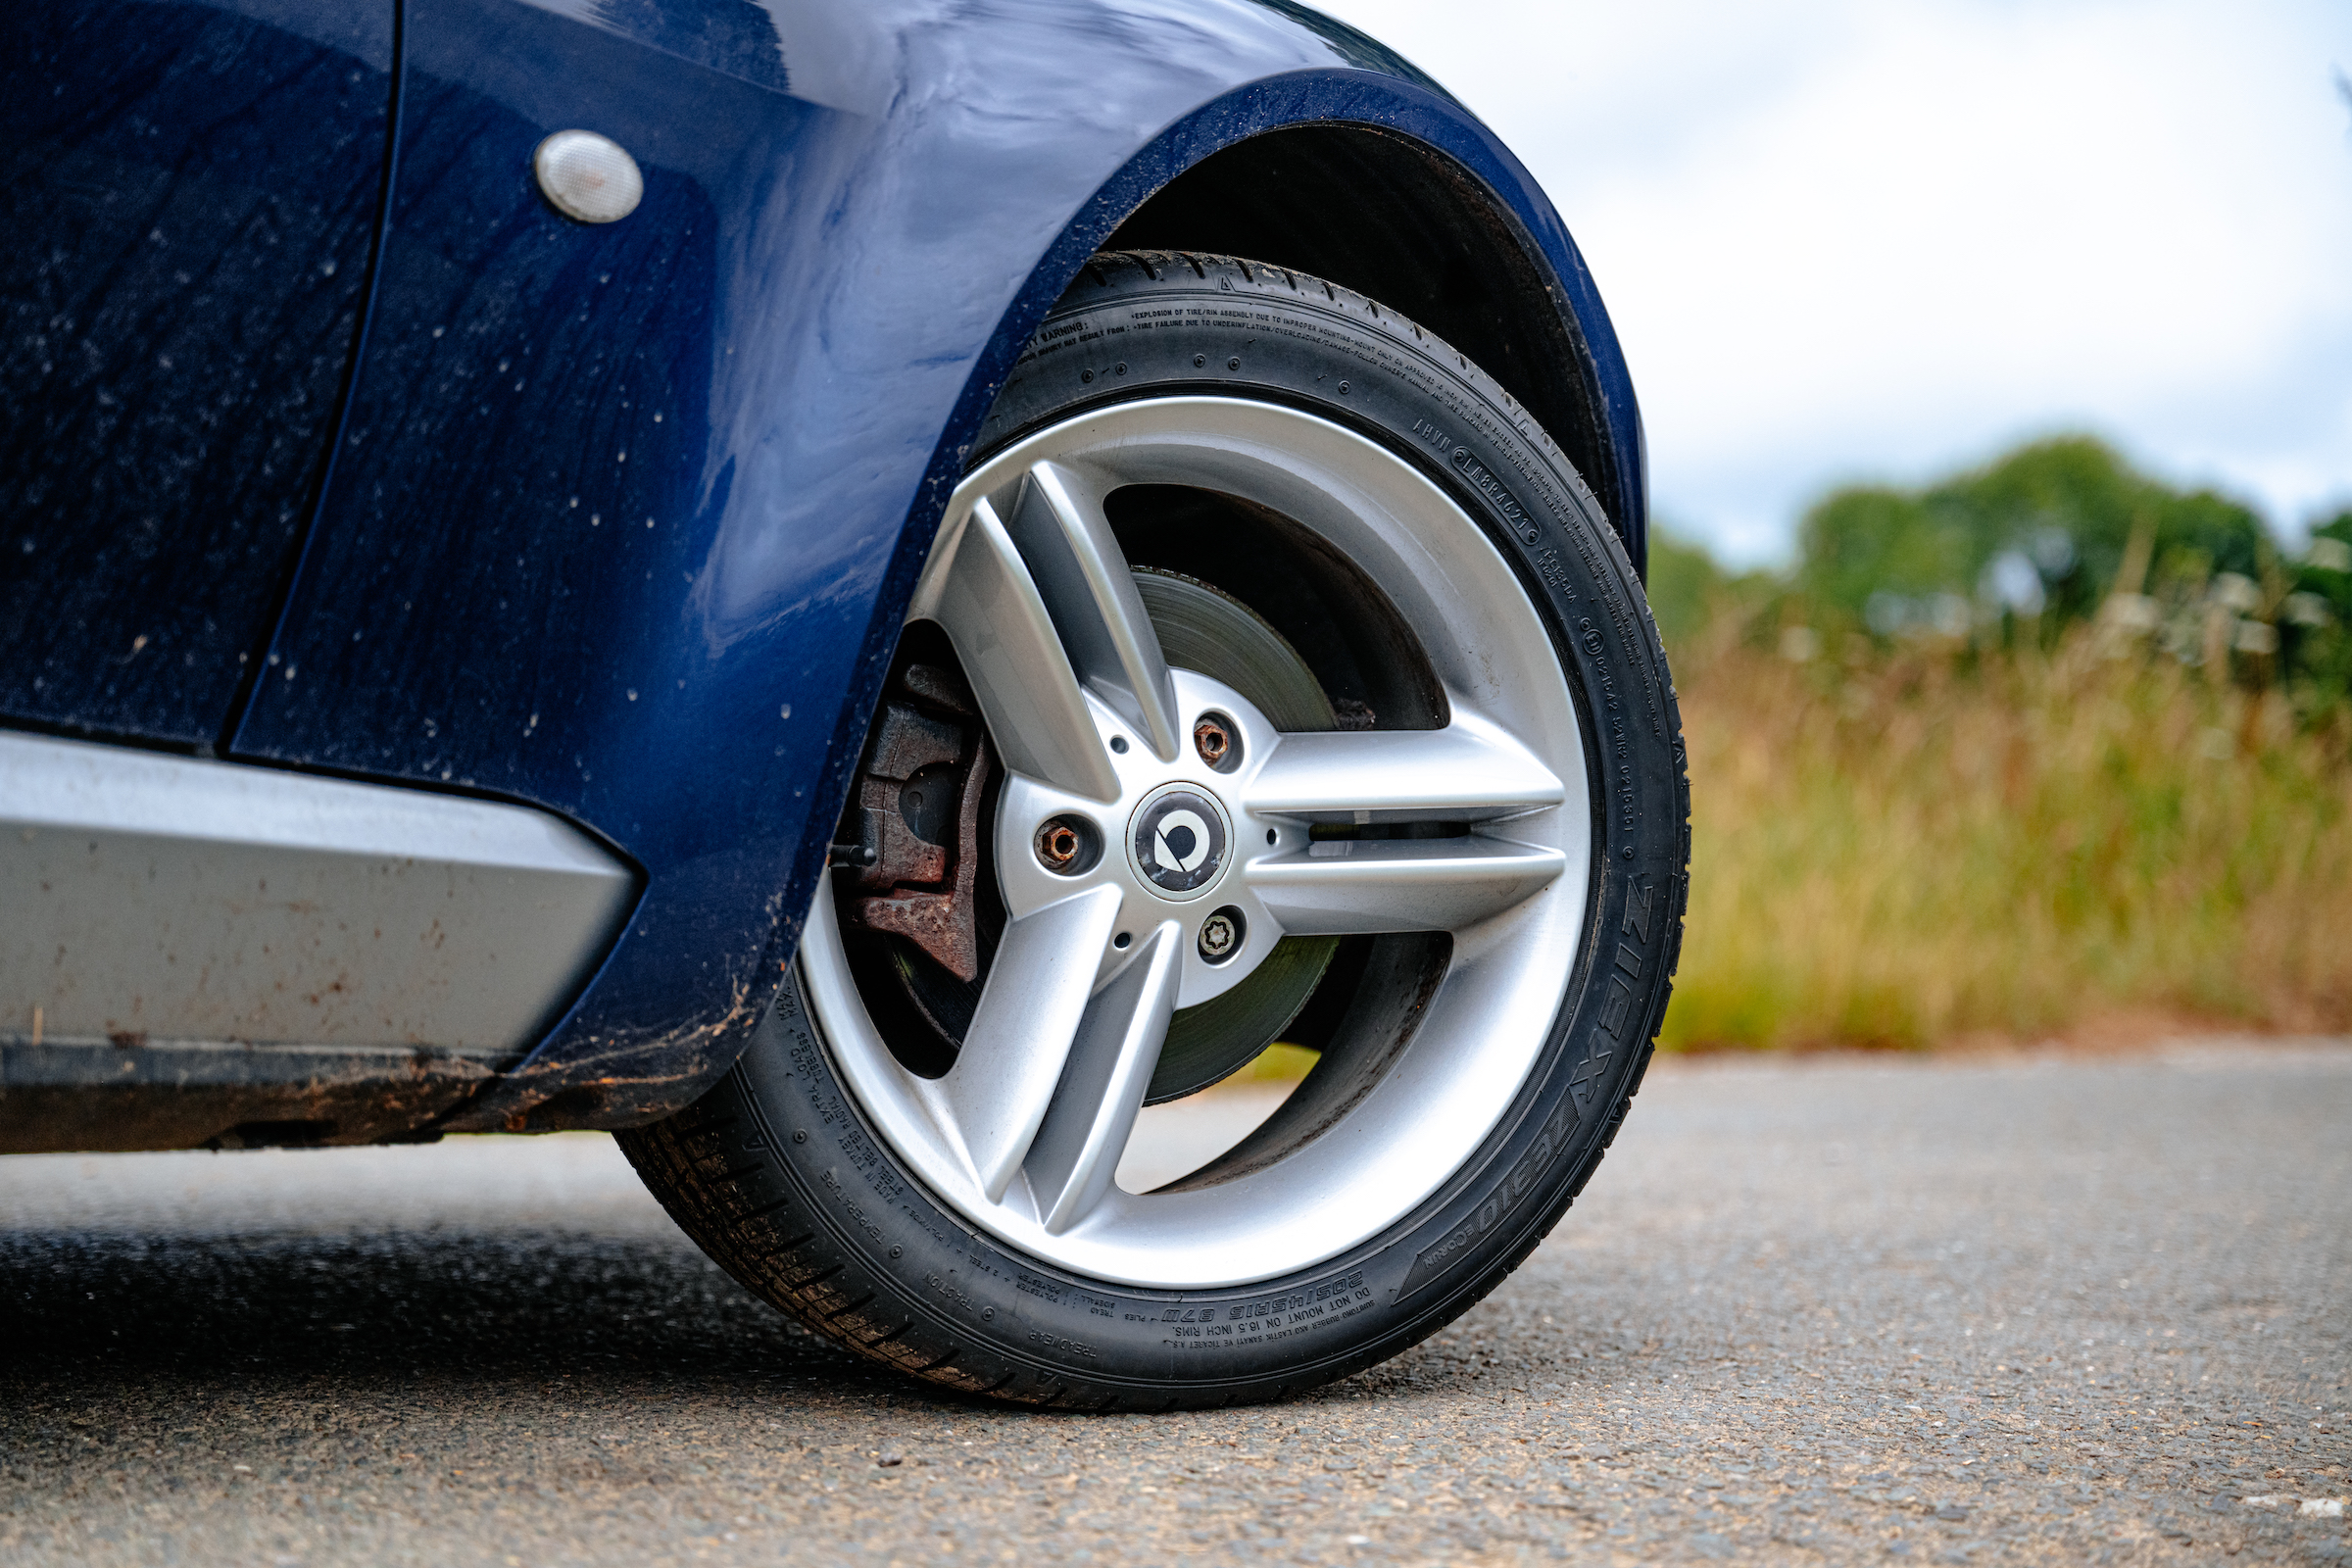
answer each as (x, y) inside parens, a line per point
(1022, 1135)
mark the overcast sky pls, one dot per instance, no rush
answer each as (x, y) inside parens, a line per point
(1883, 238)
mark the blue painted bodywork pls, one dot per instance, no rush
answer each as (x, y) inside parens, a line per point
(188, 192)
(622, 520)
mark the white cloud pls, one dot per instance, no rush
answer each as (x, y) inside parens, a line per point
(1847, 240)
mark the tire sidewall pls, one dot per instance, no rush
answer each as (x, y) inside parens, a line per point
(1137, 337)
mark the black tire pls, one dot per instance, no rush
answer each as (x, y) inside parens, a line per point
(776, 1172)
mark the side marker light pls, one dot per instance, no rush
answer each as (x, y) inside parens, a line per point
(588, 178)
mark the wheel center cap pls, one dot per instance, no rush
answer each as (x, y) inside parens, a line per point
(1177, 840)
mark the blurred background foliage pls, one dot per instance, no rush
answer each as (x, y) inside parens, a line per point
(2042, 745)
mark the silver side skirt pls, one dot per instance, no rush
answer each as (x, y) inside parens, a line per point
(152, 898)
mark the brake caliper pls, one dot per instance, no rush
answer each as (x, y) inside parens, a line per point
(914, 844)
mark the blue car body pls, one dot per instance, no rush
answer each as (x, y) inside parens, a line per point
(330, 446)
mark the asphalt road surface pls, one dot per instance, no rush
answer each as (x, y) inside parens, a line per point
(2041, 1311)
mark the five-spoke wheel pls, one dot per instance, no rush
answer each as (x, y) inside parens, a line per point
(1272, 677)
(1207, 862)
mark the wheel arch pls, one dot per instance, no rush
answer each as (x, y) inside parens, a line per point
(1404, 223)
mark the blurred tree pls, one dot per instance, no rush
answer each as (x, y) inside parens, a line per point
(2047, 536)
(2315, 620)
(2040, 533)
(1861, 547)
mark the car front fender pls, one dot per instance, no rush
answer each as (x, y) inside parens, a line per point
(625, 517)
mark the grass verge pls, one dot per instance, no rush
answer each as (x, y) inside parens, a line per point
(1910, 851)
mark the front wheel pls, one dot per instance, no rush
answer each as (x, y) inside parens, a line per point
(1273, 679)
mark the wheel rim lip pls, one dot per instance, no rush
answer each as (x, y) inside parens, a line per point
(1483, 1029)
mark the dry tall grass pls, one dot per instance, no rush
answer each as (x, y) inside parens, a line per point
(1906, 851)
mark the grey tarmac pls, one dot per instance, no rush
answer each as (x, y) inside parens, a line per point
(2033, 1309)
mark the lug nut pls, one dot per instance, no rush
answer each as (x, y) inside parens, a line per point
(1221, 935)
(1214, 739)
(1060, 844)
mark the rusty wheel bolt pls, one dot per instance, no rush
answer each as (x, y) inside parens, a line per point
(1058, 844)
(1221, 934)
(1212, 740)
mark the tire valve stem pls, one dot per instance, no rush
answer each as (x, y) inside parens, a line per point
(1221, 934)
(1057, 844)
(1212, 740)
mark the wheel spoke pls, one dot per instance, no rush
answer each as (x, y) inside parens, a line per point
(1037, 715)
(1062, 534)
(1030, 1012)
(1470, 771)
(1350, 886)
(1078, 1148)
